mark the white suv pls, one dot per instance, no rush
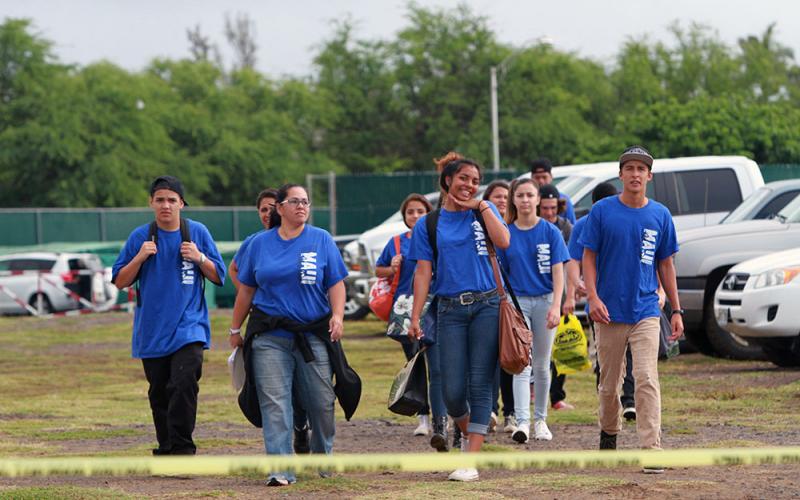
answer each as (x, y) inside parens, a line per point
(43, 279)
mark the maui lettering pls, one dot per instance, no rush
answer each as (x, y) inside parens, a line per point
(187, 272)
(480, 239)
(308, 268)
(648, 246)
(543, 257)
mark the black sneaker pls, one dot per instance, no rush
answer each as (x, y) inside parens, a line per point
(160, 451)
(608, 441)
(301, 441)
(629, 413)
(456, 438)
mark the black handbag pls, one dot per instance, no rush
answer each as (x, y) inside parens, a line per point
(409, 391)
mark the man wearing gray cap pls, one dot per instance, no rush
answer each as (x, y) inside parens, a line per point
(627, 240)
(169, 260)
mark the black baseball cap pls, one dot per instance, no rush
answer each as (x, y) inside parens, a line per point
(548, 191)
(168, 182)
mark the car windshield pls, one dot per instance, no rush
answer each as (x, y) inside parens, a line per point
(745, 210)
(572, 184)
(791, 212)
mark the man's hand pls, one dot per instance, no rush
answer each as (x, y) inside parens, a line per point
(336, 328)
(147, 249)
(677, 327)
(581, 289)
(189, 251)
(598, 311)
(235, 340)
(569, 306)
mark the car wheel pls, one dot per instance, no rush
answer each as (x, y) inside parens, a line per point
(782, 352)
(354, 311)
(47, 307)
(729, 345)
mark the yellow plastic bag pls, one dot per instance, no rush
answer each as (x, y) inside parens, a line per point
(570, 349)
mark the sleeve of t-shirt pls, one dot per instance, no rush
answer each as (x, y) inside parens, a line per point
(207, 246)
(591, 236)
(420, 246)
(558, 249)
(335, 269)
(569, 212)
(246, 264)
(385, 259)
(669, 243)
(574, 248)
(128, 252)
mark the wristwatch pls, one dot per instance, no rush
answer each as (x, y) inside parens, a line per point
(234, 331)
(202, 259)
(678, 311)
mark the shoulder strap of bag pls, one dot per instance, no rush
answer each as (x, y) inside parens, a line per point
(431, 221)
(496, 269)
(185, 236)
(152, 233)
(396, 277)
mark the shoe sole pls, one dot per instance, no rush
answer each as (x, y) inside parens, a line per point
(464, 480)
(543, 438)
(519, 437)
(630, 417)
(439, 443)
(652, 471)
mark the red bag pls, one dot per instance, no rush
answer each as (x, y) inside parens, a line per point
(381, 295)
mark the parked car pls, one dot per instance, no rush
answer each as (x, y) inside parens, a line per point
(765, 202)
(758, 301)
(19, 276)
(706, 255)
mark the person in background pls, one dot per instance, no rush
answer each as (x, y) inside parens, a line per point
(535, 269)
(629, 242)
(551, 205)
(265, 204)
(170, 323)
(497, 193)
(291, 275)
(468, 302)
(542, 173)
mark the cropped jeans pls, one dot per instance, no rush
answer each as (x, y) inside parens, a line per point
(277, 365)
(468, 341)
(535, 311)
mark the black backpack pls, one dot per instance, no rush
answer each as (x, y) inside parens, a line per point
(152, 235)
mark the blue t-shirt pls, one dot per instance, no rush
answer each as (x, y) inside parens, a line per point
(407, 267)
(173, 311)
(463, 259)
(243, 247)
(569, 210)
(529, 260)
(292, 277)
(629, 243)
(574, 247)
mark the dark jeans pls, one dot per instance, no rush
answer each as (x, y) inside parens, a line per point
(173, 392)
(505, 390)
(410, 349)
(557, 392)
(628, 384)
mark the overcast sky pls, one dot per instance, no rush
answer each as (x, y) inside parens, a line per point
(131, 33)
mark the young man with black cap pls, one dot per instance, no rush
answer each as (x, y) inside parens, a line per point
(542, 174)
(628, 240)
(169, 260)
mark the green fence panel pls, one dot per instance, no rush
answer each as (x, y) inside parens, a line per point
(17, 228)
(71, 226)
(780, 171)
(247, 223)
(218, 222)
(120, 224)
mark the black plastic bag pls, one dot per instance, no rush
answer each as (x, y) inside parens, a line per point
(409, 390)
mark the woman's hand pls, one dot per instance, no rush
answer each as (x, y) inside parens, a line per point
(336, 328)
(471, 204)
(396, 261)
(235, 340)
(553, 316)
(415, 331)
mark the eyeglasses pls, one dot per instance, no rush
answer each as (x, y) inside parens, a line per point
(297, 202)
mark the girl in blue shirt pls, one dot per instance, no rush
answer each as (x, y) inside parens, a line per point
(534, 264)
(293, 271)
(468, 304)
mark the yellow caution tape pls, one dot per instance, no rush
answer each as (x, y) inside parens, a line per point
(412, 462)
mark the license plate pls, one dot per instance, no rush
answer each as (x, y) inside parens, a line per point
(722, 316)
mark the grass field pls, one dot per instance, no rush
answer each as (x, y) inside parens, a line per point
(69, 387)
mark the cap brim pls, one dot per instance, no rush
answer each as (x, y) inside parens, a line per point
(635, 156)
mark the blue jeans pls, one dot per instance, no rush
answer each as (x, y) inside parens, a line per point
(277, 365)
(467, 338)
(535, 311)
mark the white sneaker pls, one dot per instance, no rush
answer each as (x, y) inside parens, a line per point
(541, 432)
(521, 434)
(510, 424)
(424, 426)
(492, 422)
(463, 475)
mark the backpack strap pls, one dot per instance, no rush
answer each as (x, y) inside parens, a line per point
(185, 236)
(431, 221)
(152, 233)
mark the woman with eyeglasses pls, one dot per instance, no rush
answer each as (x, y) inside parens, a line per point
(468, 302)
(290, 274)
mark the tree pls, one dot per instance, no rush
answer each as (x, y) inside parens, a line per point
(241, 33)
